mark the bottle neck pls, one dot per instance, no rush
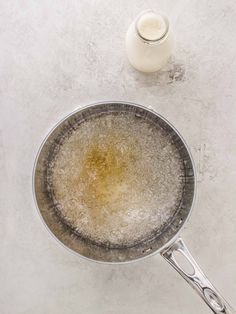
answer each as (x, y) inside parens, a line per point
(151, 27)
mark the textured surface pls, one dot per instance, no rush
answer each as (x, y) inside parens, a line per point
(117, 179)
(58, 55)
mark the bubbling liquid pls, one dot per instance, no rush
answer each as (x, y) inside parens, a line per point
(117, 179)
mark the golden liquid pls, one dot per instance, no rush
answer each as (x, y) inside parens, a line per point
(117, 179)
(103, 174)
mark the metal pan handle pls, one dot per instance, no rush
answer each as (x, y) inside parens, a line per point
(196, 278)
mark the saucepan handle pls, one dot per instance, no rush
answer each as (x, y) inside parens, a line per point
(196, 278)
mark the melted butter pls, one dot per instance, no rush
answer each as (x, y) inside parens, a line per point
(103, 176)
(117, 179)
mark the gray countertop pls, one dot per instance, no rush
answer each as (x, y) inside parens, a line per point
(57, 56)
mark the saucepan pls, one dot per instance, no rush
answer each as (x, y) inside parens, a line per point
(164, 238)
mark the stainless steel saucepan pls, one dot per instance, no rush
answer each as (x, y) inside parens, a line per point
(165, 241)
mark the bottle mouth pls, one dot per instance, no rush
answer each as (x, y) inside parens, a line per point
(151, 26)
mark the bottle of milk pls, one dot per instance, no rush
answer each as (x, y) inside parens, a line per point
(149, 41)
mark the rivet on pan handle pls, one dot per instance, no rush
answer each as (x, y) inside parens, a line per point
(197, 279)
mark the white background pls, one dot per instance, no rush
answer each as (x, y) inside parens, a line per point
(59, 55)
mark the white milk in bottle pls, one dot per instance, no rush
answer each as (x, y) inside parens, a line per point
(149, 41)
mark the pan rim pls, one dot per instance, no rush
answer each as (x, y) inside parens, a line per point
(95, 104)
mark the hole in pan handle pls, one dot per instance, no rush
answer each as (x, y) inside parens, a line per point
(196, 278)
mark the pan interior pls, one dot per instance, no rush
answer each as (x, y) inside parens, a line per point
(116, 179)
